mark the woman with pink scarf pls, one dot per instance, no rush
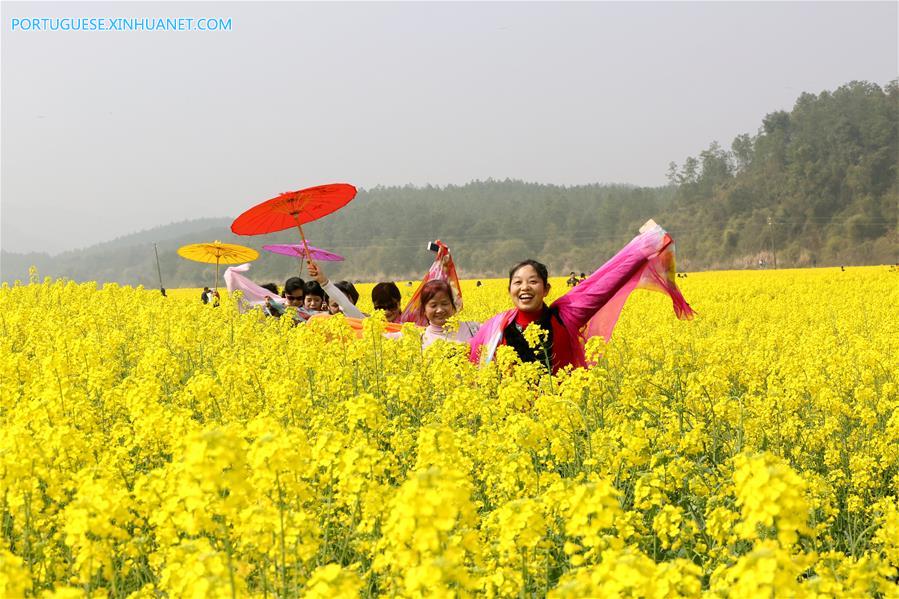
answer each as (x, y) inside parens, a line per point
(589, 309)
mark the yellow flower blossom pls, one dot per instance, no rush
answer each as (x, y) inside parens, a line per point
(155, 446)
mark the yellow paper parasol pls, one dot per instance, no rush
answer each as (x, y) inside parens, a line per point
(218, 253)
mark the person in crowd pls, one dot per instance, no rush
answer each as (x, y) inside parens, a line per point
(572, 280)
(342, 296)
(437, 306)
(528, 288)
(272, 307)
(348, 290)
(590, 309)
(387, 297)
(216, 299)
(206, 295)
(294, 293)
(313, 297)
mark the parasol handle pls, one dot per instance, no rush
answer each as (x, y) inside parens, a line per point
(303, 237)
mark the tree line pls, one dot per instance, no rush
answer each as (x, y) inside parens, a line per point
(814, 186)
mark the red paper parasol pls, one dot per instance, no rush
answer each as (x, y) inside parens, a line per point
(293, 209)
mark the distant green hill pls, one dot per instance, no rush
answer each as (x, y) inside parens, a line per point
(817, 185)
(813, 186)
(383, 232)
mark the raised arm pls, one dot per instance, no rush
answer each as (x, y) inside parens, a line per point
(346, 306)
(580, 303)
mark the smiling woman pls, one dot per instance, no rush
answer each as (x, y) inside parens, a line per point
(528, 288)
(438, 306)
(588, 310)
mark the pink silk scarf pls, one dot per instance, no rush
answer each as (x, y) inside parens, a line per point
(593, 307)
(253, 294)
(443, 269)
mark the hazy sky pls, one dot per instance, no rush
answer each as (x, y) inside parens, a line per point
(109, 132)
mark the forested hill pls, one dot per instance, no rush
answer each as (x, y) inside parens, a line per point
(813, 186)
(816, 185)
(383, 232)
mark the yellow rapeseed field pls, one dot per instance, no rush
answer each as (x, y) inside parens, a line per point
(154, 446)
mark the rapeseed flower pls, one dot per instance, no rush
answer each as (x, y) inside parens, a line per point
(156, 446)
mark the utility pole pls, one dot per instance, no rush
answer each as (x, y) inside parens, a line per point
(771, 234)
(158, 270)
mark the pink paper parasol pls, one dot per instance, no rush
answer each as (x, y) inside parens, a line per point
(297, 251)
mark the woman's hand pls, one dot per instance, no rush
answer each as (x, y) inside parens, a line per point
(317, 273)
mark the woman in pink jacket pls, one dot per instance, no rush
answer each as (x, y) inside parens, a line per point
(587, 310)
